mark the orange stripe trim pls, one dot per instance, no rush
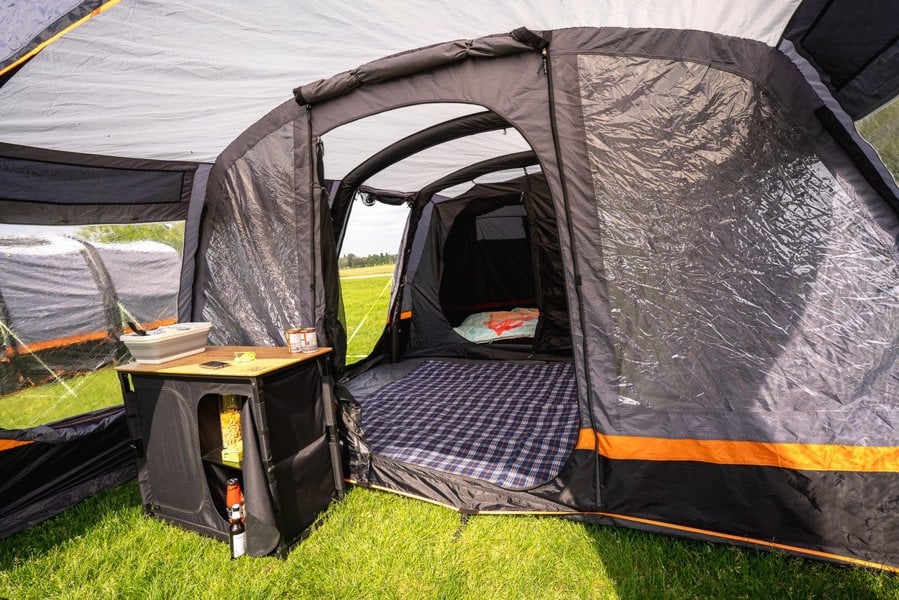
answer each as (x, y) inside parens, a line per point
(803, 457)
(27, 56)
(10, 444)
(662, 525)
(406, 314)
(79, 339)
(747, 540)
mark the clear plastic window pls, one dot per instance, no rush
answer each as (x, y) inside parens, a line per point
(66, 295)
(881, 129)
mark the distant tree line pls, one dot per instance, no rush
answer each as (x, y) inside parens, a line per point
(351, 261)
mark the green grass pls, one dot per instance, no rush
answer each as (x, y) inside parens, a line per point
(362, 271)
(379, 545)
(53, 401)
(366, 294)
(882, 130)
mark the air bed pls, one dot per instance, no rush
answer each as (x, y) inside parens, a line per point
(513, 424)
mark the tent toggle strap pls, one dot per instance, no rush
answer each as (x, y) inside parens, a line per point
(464, 515)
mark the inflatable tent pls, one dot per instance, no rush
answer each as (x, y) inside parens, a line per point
(710, 242)
(91, 296)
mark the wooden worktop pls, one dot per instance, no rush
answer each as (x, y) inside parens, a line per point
(268, 359)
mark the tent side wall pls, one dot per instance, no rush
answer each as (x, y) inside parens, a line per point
(259, 243)
(733, 265)
(53, 466)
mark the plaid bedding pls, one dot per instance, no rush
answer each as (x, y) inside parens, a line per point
(511, 424)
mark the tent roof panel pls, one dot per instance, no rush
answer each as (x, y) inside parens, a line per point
(172, 81)
(32, 22)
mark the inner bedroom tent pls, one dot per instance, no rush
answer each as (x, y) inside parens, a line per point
(647, 272)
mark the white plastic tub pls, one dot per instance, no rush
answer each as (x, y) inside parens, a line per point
(168, 342)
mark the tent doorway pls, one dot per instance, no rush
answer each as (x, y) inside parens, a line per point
(472, 376)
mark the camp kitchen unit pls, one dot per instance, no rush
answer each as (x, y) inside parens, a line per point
(290, 469)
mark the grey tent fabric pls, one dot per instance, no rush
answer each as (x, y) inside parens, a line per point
(171, 81)
(412, 62)
(727, 257)
(35, 23)
(440, 133)
(774, 250)
(862, 72)
(82, 189)
(727, 272)
(440, 268)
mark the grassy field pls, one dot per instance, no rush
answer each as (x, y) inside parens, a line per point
(379, 545)
(882, 130)
(364, 271)
(59, 399)
(366, 294)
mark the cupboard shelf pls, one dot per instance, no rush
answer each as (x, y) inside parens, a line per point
(215, 457)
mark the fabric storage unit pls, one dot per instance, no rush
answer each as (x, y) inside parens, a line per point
(291, 468)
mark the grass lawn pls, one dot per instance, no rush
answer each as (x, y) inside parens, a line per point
(366, 294)
(53, 401)
(882, 130)
(362, 271)
(379, 545)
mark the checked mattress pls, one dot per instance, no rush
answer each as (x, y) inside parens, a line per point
(512, 424)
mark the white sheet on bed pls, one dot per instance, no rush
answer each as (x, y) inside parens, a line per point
(500, 324)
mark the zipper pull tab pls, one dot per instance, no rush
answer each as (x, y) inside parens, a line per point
(543, 62)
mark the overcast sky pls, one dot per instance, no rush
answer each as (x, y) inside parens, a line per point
(374, 229)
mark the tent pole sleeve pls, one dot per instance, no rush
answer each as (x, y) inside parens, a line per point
(328, 404)
(190, 253)
(397, 308)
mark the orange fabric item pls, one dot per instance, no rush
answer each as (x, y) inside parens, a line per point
(507, 320)
(803, 457)
(10, 444)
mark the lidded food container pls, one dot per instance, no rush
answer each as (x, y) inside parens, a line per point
(167, 342)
